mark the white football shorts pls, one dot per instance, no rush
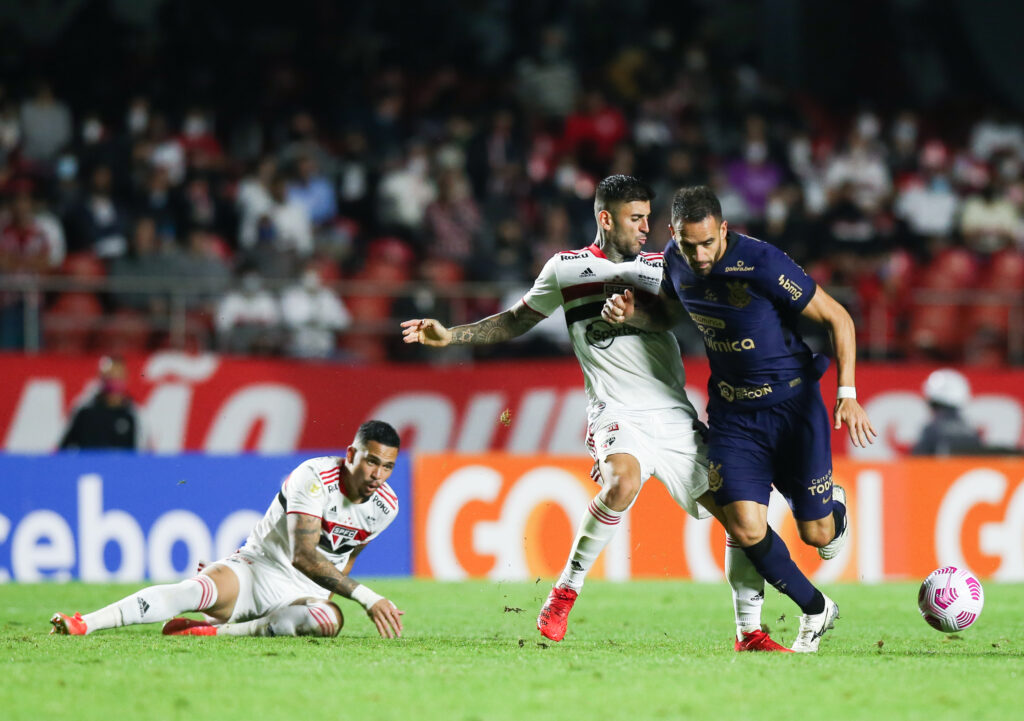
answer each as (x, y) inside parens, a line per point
(264, 586)
(665, 445)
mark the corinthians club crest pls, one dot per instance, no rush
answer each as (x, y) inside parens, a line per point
(714, 476)
(739, 296)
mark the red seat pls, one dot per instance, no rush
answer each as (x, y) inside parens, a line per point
(1001, 289)
(69, 323)
(124, 332)
(83, 265)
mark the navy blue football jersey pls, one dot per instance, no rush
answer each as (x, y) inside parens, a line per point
(747, 309)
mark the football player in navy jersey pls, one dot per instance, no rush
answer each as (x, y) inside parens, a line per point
(767, 422)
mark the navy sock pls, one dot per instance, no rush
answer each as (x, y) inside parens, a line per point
(771, 559)
(838, 515)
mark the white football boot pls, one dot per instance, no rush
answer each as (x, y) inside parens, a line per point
(813, 627)
(833, 547)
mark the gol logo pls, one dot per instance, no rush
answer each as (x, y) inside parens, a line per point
(502, 517)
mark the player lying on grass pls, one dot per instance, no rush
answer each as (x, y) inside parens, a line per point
(640, 421)
(768, 425)
(280, 582)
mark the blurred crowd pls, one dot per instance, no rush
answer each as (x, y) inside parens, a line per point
(436, 193)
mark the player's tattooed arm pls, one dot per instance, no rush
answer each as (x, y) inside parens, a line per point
(496, 328)
(499, 327)
(304, 535)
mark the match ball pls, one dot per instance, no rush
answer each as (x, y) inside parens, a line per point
(950, 599)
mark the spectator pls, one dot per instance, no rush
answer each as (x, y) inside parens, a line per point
(990, 221)
(108, 419)
(281, 236)
(453, 219)
(205, 264)
(313, 191)
(45, 125)
(406, 189)
(98, 223)
(547, 82)
(135, 274)
(313, 315)
(248, 319)
(30, 247)
(948, 433)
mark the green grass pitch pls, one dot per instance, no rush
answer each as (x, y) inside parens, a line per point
(640, 650)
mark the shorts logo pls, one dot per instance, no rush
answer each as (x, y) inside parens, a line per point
(314, 488)
(608, 443)
(739, 296)
(822, 487)
(714, 476)
(612, 427)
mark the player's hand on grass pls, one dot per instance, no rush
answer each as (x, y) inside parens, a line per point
(387, 618)
(850, 412)
(619, 308)
(426, 331)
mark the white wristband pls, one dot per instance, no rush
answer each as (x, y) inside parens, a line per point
(365, 597)
(846, 392)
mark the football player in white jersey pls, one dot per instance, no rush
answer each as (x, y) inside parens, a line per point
(640, 422)
(280, 582)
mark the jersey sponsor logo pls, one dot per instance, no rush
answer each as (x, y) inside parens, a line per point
(601, 334)
(739, 296)
(573, 255)
(588, 273)
(708, 321)
(714, 476)
(656, 261)
(794, 290)
(740, 267)
(724, 345)
(377, 501)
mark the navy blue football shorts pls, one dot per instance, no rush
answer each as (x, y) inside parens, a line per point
(788, 444)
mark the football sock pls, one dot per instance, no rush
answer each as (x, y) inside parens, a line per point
(596, 530)
(314, 619)
(771, 558)
(747, 587)
(839, 516)
(155, 604)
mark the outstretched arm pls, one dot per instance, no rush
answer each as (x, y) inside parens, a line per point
(496, 328)
(660, 315)
(304, 534)
(825, 310)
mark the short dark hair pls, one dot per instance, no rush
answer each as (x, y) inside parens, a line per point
(617, 189)
(694, 204)
(379, 432)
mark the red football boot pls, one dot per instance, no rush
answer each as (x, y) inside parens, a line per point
(182, 626)
(759, 641)
(554, 616)
(68, 625)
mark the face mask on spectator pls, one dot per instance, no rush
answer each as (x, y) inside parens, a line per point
(310, 280)
(194, 126)
(138, 119)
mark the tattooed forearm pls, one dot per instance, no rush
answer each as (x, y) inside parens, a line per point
(499, 327)
(324, 574)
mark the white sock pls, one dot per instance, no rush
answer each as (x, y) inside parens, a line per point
(313, 619)
(747, 588)
(596, 530)
(155, 604)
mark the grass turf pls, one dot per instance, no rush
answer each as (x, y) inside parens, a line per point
(640, 650)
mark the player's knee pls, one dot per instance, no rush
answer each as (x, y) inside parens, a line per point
(817, 534)
(745, 534)
(620, 491)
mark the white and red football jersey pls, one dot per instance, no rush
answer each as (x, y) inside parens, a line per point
(623, 366)
(314, 488)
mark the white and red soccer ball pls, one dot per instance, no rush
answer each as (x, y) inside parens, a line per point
(950, 599)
